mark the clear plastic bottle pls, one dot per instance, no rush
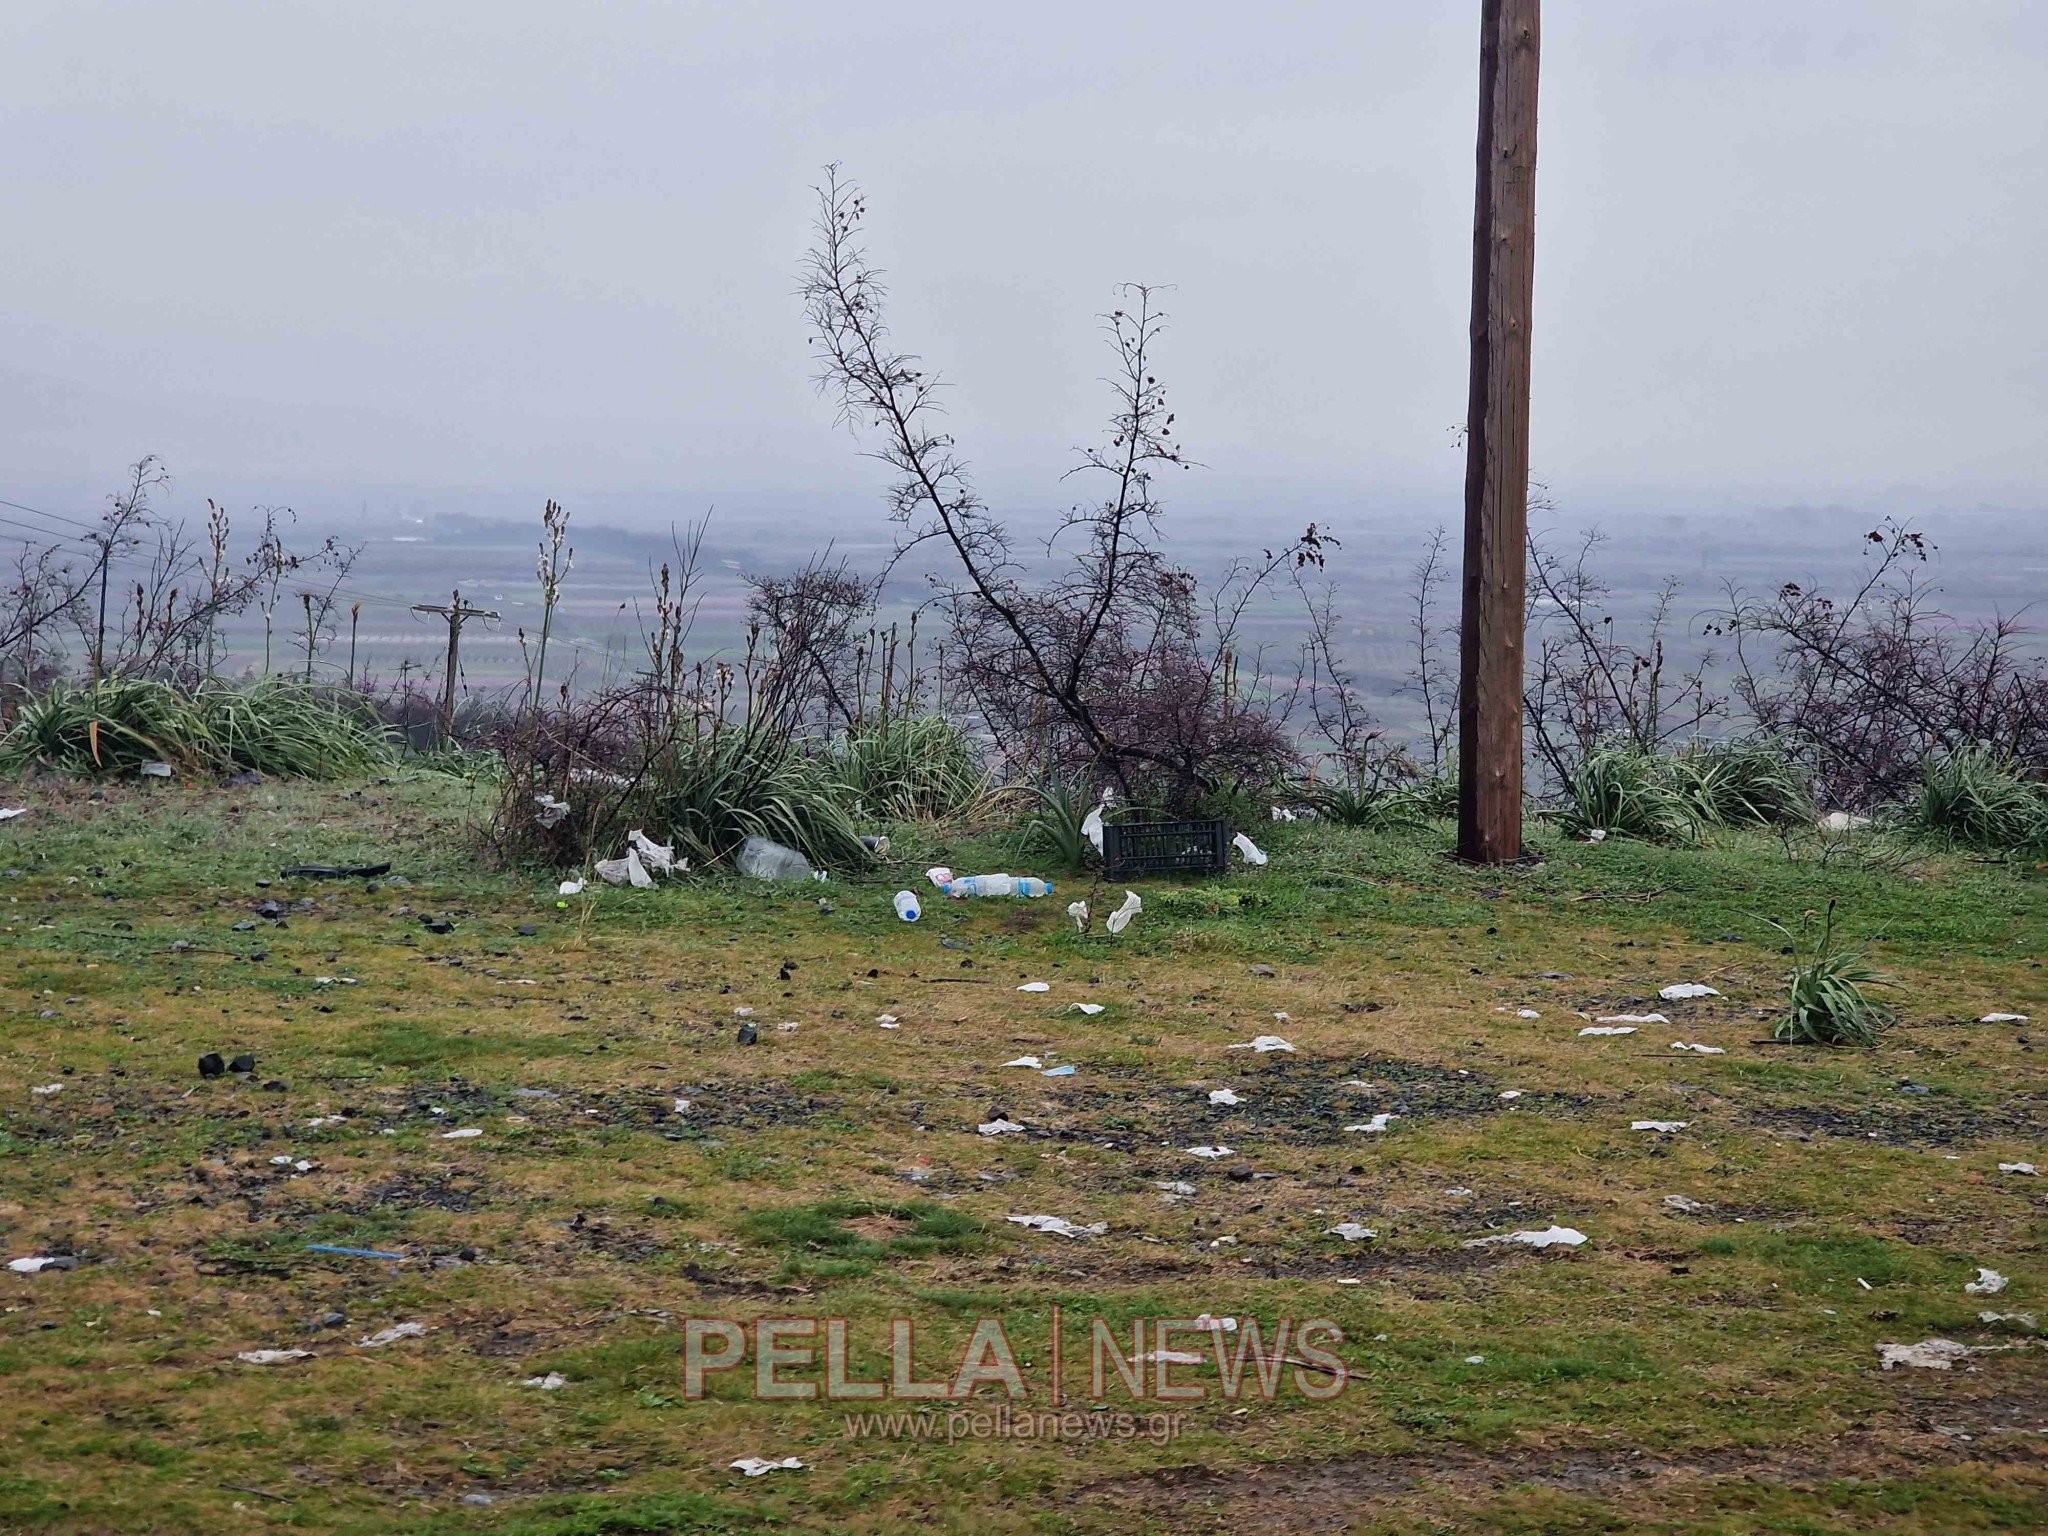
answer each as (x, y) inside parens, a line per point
(761, 859)
(981, 885)
(906, 906)
(1028, 885)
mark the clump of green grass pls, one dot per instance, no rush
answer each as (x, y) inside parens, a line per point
(910, 768)
(1974, 798)
(1431, 798)
(819, 1232)
(1739, 784)
(1053, 830)
(713, 792)
(1626, 793)
(1372, 806)
(1827, 1004)
(115, 725)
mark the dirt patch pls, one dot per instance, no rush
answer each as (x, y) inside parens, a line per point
(1930, 1120)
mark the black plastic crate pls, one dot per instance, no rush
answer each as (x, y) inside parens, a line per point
(1131, 849)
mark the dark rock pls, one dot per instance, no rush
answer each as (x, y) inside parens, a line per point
(243, 1063)
(1239, 1173)
(437, 925)
(528, 930)
(210, 1065)
(276, 1085)
(749, 1034)
(1264, 970)
(246, 925)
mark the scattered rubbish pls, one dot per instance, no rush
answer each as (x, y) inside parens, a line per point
(1684, 1203)
(888, 1020)
(1608, 1029)
(1078, 911)
(878, 846)
(1120, 919)
(1171, 1356)
(1178, 1189)
(1665, 1126)
(1630, 1018)
(906, 906)
(1283, 1017)
(1694, 1045)
(755, 1466)
(334, 981)
(939, 876)
(273, 1356)
(761, 859)
(154, 770)
(1376, 1123)
(743, 1012)
(352, 1253)
(1527, 1013)
(2026, 1169)
(1679, 991)
(392, 1335)
(1475, 1359)
(47, 1090)
(787, 1027)
(658, 857)
(1264, 970)
(1842, 821)
(1262, 1044)
(1002, 1125)
(964, 886)
(625, 871)
(1513, 1093)
(1027, 1061)
(1087, 1010)
(2024, 1319)
(551, 812)
(1224, 1096)
(35, 1264)
(1927, 1355)
(1250, 851)
(552, 1382)
(1989, 1282)
(211, 1065)
(1060, 1227)
(465, 1134)
(748, 1033)
(1058, 1072)
(1352, 1232)
(1597, 835)
(333, 871)
(1209, 1153)
(569, 888)
(1091, 827)
(9, 812)
(296, 1164)
(1036, 986)
(1549, 1237)
(2003, 1018)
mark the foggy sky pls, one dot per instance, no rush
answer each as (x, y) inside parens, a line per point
(1788, 250)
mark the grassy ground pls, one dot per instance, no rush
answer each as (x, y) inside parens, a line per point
(1705, 1370)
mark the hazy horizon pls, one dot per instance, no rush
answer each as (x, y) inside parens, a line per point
(483, 255)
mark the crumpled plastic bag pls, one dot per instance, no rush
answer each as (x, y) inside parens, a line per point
(1250, 851)
(552, 812)
(626, 871)
(1091, 827)
(658, 857)
(1120, 919)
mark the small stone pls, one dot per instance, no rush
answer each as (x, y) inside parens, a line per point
(1239, 1173)
(528, 930)
(748, 1034)
(243, 1063)
(210, 1065)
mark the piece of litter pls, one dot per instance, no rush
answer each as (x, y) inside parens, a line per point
(2024, 1319)
(35, 1264)
(1027, 1061)
(788, 1027)
(1694, 1045)
(1248, 850)
(1527, 1013)
(321, 1122)
(1549, 1237)
(154, 770)
(756, 1466)
(682, 1106)
(1666, 1126)
(1928, 1354)
(1460, 1192)
(1059, 1072)
(1217, 1324)
(47, 1089)
(551, 812)
(1684, 1203)
(887, 1020)
(1087, 1010)
(1989, 1282)
(1001, 1126)
(9, 812)
(465, 1134)
(1224, 1096)
(548, 1383)
(1262, 1044)
(1059, 1226)
(939, 876)
(1679, 991)
(1179, 1187)
(659, 857)
(1608, 1029)
(352, 1253)
(1376, 1123)
(1513, 1093)
(1036, 986)
(392, 1335)
(1091, 827)
(569, 888)
(1629, 1018)
(2003, 1018)
(1209, 1153)
(1475, 1359)
(2028, 1169)
(1283, 1018)
(273, 1356)
(1170, 1357)
(1352, 1232)
(343, 981)
(1078, 911)
(1863, 1282)
(1120, 919)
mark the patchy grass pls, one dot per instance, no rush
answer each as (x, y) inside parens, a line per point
(1704, 1369)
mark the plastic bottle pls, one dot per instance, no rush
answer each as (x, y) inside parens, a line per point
(906, 906)
(998, 885)
(1027, 885)
(761, 859)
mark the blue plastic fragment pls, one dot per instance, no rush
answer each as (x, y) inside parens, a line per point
(1058, 1072)
(352, 1253)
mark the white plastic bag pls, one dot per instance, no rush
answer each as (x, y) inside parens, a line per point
(1120, 919)
(1251, 851)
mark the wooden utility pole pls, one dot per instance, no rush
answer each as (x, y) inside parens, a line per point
(1491, 637)
(456, 615)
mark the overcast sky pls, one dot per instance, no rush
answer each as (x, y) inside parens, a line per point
(1788, 250)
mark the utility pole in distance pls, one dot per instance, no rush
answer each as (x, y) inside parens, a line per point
(456, 615)
(1494, 628)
